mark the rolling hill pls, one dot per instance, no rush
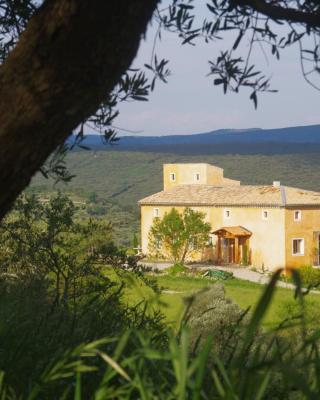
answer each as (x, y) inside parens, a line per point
(240, 141)
(118, 176)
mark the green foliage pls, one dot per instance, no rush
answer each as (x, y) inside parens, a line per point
(233, 68)
(92, 197)
(96, 210)
(55, 293)
(135, 241)
(178, 235)
(134, 365)
(176, 269)
(43, 239)
(211, 314)
(131, 252)
(309, 276)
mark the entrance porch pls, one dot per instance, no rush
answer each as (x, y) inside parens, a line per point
(233, 245)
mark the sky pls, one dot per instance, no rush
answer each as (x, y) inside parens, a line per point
(190, 103)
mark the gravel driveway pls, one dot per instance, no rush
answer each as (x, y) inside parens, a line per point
(238, 272)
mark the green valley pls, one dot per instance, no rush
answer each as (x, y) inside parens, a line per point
(109, 183)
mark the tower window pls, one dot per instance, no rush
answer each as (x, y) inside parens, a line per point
(197, 177)
(172, 176)
(297, 215)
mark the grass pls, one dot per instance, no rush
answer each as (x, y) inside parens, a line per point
(244, 293)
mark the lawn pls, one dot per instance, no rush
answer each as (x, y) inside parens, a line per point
(244, 293)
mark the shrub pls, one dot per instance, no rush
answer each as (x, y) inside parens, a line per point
(131, 252)
(210, 313)
(309, 276)
(97, 210)
(177, 269)
(55, 294)
(35, 331)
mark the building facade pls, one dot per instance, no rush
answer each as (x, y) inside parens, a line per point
(265, 226)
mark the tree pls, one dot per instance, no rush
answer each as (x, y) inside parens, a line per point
(65, 62)
(178, 235)
(44, 240)
(56, 290)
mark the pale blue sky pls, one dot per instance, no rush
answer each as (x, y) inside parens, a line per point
(190, 103)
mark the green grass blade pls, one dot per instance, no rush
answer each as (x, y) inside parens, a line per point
(77, 393)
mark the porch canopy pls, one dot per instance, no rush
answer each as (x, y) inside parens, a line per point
(233, 244)
(232, 232)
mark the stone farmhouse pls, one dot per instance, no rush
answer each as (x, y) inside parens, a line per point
(267, 226)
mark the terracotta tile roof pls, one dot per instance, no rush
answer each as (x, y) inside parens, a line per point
(243, 195)
(234, 230)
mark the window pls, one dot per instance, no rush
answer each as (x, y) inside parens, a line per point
(297, 247)
(227, 214)
(172, 176)
(157, 243)
(197, 177)
(265, 215)
(297, 215)
(156, 212)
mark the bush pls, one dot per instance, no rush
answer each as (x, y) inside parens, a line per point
(177, 269)
(55, 293)
(131, 252)
(309, 276)
(35, 331)
(97, 210)
(210, 313)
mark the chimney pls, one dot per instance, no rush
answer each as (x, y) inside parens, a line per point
(276, 184)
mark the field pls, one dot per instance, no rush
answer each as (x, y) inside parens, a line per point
(244, 293)
(110, 183)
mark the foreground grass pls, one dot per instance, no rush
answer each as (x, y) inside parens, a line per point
(244, 293)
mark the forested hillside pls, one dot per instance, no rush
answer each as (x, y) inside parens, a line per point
(109, 183)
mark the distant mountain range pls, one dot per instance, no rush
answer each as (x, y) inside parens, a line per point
(242, 141)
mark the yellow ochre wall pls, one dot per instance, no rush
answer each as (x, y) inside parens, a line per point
(304, 229)
(267, 243)
(185, 174)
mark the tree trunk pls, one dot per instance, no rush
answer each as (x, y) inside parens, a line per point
(70, 57)
(185, 252)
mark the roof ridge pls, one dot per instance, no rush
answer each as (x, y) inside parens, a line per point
(283, 195)
(298, 188)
